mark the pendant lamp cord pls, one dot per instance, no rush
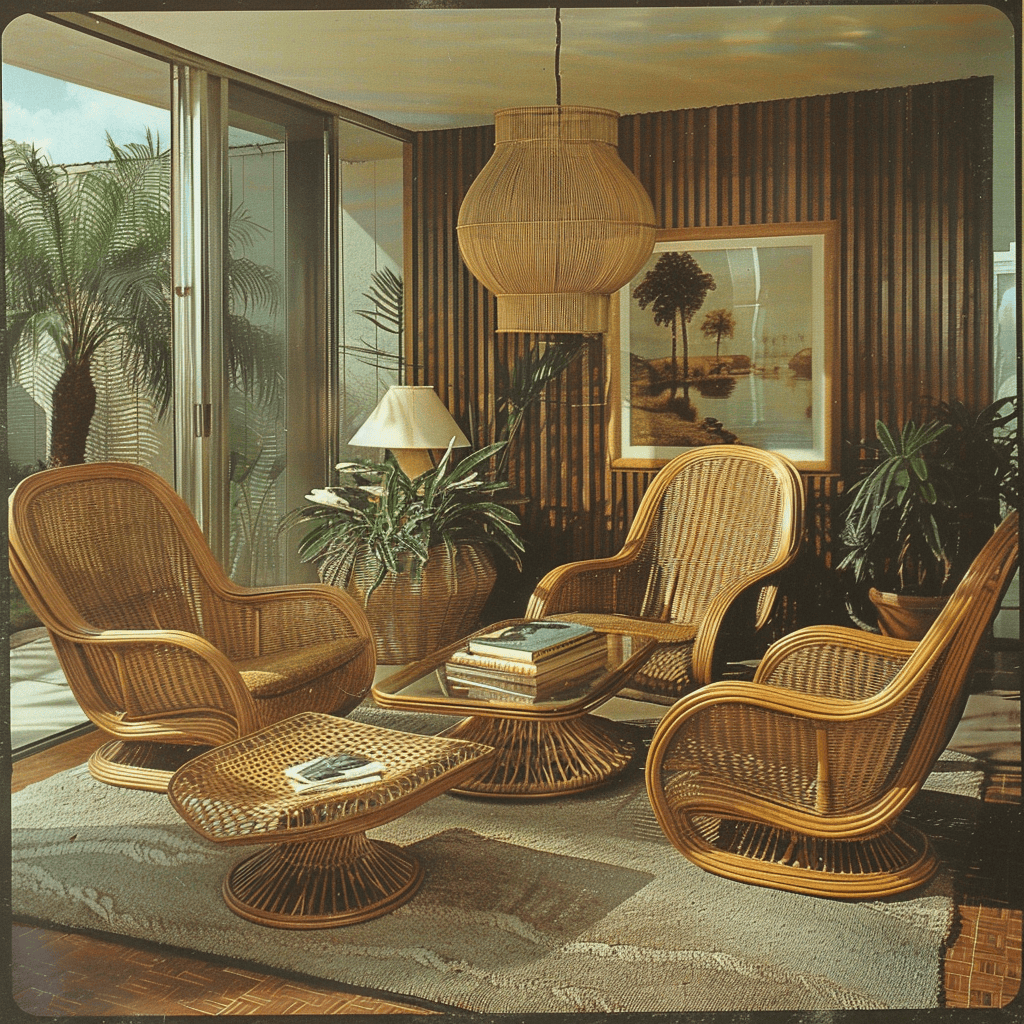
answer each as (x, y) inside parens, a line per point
(558, 56)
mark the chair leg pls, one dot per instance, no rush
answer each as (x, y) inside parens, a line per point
(322, 883)
(140, 765)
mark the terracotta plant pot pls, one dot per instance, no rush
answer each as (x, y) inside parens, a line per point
(411, 618)
(905, 617)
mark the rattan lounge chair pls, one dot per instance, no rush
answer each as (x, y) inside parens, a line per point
(714, 529)
(159, 647)
(797, 779)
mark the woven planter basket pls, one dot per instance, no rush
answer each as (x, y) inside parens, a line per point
(413, 618)
(904, 616)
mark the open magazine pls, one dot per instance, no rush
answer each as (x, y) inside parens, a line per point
(334, 771)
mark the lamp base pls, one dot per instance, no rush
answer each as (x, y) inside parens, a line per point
(553, 313)
(413, 461)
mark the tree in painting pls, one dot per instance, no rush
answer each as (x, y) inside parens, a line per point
(718, 323)
(674, 288)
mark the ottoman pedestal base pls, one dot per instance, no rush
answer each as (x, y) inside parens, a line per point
(321, 883)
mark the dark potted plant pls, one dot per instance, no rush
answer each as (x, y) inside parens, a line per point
(417, 553)
(916, 522)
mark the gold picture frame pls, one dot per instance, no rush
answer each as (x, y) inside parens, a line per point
(771, 299)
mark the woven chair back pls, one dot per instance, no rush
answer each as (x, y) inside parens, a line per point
(721, 514)
(110, 547)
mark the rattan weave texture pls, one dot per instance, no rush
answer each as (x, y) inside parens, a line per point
(238, 793)
(157, 644)
(715, 527)
(796, 779)
(412, 617)
(320, 869)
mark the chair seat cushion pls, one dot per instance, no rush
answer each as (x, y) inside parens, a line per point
(273, 675)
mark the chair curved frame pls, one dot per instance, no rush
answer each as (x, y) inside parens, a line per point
(797, 779)
(599, 586)
(164, 693)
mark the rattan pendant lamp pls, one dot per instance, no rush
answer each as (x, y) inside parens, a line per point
(555, 222)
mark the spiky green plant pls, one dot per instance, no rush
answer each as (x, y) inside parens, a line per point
(400, 519)
(916, 522)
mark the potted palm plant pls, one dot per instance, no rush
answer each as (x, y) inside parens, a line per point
(416, 552)
(916, 522)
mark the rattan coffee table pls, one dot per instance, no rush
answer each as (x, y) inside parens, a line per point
(543, 749)
(319, 868)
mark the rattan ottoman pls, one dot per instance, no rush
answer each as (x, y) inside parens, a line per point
(319, 869)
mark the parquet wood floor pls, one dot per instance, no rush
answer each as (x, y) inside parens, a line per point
(59, 973)
(65, 974)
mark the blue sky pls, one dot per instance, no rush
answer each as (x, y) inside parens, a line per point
(70, 121)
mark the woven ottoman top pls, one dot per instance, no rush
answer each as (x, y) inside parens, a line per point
(238, 792)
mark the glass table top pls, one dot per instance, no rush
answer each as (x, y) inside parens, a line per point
(440, 685)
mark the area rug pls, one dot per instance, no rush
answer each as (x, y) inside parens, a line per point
(577, 904)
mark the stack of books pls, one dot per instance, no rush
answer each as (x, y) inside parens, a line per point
(526, 662)
(334, 771)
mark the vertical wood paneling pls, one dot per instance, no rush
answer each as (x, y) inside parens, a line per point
(905, 172)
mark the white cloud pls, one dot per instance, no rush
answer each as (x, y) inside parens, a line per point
(77, 133)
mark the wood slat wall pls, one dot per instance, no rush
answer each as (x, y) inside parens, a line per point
(906, 173)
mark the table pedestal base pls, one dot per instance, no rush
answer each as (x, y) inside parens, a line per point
(322, 883)
(543, 758)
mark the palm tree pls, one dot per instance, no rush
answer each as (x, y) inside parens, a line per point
(675, 288)
(83, 261)
(716, 323)
(87, 262)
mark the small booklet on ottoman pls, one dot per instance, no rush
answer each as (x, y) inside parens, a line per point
(333, 771)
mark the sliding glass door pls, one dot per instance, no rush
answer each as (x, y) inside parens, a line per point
(87, 249)
(275, 326)
(266, 235)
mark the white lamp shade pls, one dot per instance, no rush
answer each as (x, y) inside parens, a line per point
(409, 417)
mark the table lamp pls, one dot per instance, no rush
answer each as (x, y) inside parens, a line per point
(412, 423)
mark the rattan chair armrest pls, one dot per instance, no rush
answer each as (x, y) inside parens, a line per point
(227, 697)
(781, 700)
(710, 626)
(350, 619)
(301, 615)
(593, 582)
(794, 662)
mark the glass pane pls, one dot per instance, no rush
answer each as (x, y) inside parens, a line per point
(371, 322)
(97, 386)
(275, 328)
(91, 357)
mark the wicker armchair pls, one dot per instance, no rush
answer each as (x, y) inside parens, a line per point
(796, 780)
(713, 531)
(159, 647)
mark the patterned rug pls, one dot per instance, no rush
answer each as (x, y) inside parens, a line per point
(569, 905)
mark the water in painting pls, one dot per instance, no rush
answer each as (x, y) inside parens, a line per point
(721, 344)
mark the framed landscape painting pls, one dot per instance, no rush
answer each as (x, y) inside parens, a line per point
(726, 335)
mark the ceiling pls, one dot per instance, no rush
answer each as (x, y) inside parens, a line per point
(447, 67)
(428, 66)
